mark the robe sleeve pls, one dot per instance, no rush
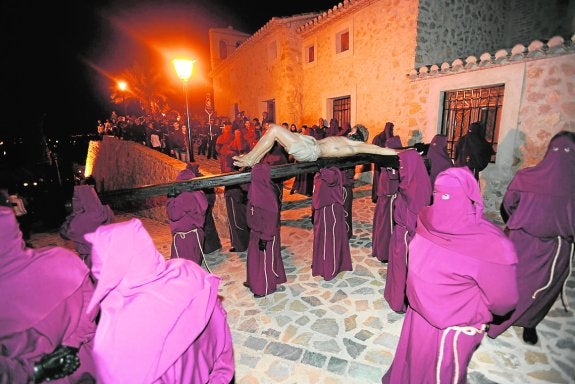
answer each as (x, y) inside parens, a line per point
(499, 287)
(511, 201)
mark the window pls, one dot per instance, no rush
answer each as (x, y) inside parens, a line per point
(223, 49)
(310, 54)
(342, 110)
(342, 41)
(463, 107)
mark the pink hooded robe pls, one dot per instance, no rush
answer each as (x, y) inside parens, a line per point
(160, 321)
(186, 215)
(44, 294)
(87, 214)
(540, 202)
(462, 270)
(331, 253)
(414, 193)
(265, 269)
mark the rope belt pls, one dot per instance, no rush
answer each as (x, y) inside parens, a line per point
(182, 235)
(467, 330)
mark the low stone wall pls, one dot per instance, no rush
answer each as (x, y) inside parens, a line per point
(118, 164)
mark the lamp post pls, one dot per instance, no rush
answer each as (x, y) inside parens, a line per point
(122, 86)
(184, 71)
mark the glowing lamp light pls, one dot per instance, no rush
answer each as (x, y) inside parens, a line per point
(183, 68)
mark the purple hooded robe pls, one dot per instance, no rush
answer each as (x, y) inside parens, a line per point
(186, 215)
(160, 321)
(388, 184)
(87, 214)
(348, 184)
(540, 202)
(265, 269)
(44, 294)
(438, 156)
(236, 198)
(473, 150)
(461, 271)
(303, 182)
(381, 140)
(333, 129)
(413, 194)
(331, 253)
(386, 192)
(212, 240)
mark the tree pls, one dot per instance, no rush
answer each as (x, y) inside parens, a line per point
(147, 88)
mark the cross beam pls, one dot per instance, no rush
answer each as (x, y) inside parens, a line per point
(241, 177)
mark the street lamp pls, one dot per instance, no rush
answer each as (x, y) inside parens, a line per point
(184, 70)
(123, 86)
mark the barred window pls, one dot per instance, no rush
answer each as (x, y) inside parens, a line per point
(465, 106)
(342, 110)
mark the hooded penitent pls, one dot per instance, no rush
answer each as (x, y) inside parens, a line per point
(383, 193)
(159, 320)
(386, 139)
(265, 269)
(473, 150)
(438, 156)
(461, 272)
(413, 194)
(186, 214)
(43, 297)
(87, 214)
(540, 202)
(212, 240)
(331, 253)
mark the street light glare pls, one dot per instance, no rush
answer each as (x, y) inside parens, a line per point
(183, 68)
(122, 85)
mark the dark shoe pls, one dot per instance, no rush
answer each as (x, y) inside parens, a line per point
(246, 284)
(530, 336)
(259, 296)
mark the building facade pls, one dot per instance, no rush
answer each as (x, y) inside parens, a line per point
(429, 66)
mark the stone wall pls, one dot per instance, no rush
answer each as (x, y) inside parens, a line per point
(450, 29)
(118, 164)
(539, 101)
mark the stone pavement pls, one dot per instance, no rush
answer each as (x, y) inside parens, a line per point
(343, 331)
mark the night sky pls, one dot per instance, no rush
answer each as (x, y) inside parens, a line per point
(60, 58)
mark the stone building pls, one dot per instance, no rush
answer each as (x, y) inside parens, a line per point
(429, 66)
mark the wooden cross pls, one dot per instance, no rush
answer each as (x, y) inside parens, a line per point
(241, 177)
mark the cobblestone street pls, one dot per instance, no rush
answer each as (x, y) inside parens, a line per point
(343, 331)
